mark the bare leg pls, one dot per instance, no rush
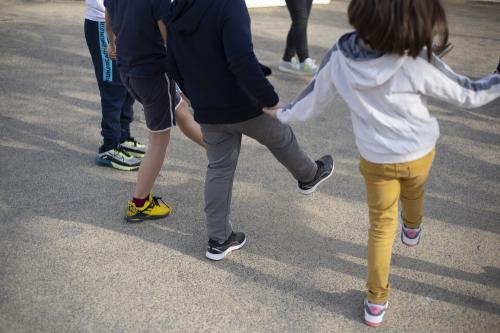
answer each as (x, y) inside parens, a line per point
(151, 163)
(188, 126)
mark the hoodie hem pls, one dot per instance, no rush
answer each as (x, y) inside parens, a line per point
(214, 116)
(391, 159)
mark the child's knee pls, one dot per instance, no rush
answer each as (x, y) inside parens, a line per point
(159, 138)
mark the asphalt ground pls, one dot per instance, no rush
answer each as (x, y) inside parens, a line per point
(69, 263)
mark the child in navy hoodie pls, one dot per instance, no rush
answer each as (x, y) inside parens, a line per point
(210, 55)
(137, 38)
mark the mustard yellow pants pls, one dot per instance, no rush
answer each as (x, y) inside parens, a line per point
(386, 184)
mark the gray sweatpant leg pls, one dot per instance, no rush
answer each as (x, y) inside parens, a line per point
(223, 148)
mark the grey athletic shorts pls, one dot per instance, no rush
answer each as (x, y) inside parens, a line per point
(159, 98)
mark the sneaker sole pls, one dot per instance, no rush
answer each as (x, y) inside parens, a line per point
(409, 244)
(372, 324)
(220, 256)
(132, 219)
(291, 71)
(312, 189)
(114, 165)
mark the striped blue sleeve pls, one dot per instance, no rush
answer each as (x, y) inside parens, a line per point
(441, 82)
(316, 98)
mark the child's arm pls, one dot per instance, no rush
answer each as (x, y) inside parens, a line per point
(163, 31)
(441, 82)
(316, 98)
(173, 69)
(159, 11)
(111, 37)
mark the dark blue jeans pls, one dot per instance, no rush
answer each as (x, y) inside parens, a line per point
(116, 101)
(296, 41)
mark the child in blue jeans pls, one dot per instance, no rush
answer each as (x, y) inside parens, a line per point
(119, 149)
(384, 71)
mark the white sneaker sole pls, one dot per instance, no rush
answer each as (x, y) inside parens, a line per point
(222, 255)
(114, 165)
(312, 189)
(296, 72)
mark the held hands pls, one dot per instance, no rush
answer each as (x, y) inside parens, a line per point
(273, 111)
(111, 51)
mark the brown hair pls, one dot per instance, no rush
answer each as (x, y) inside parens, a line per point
(400, 26)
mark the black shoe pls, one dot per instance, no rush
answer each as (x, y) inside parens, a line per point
(325, 171)
(216, 251)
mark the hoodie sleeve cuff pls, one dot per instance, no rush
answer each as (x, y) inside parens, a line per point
(271, 101)
(281, 115)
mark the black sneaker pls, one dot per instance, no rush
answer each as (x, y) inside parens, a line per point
(216, 251)
(325, 171)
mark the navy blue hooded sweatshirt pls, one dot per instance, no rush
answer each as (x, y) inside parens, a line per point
(139, 45)
(210, 55)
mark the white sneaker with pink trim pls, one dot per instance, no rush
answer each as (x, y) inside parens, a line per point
(410, 237)
(374, 313)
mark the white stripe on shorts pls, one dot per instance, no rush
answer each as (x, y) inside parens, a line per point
(170, 101)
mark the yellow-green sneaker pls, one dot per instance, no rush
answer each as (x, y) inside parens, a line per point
(117, 158)
(134, 147)
(154, 208)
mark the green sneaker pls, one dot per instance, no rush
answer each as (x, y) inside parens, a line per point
(134, 147)
(308, 67)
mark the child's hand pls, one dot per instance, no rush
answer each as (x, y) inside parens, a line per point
(273, 111)
(111, 51)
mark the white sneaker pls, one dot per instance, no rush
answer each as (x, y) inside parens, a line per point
(289, 66)
(374, 313)
(134, 147)
(117, 158)
(410, 237)
(308, 67)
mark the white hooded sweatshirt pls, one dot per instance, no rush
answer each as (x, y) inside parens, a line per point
(387, 97)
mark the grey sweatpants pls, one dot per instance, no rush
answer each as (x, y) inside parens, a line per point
(223, 148)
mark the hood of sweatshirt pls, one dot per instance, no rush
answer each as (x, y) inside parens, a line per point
(185, 15)
(364, 67)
